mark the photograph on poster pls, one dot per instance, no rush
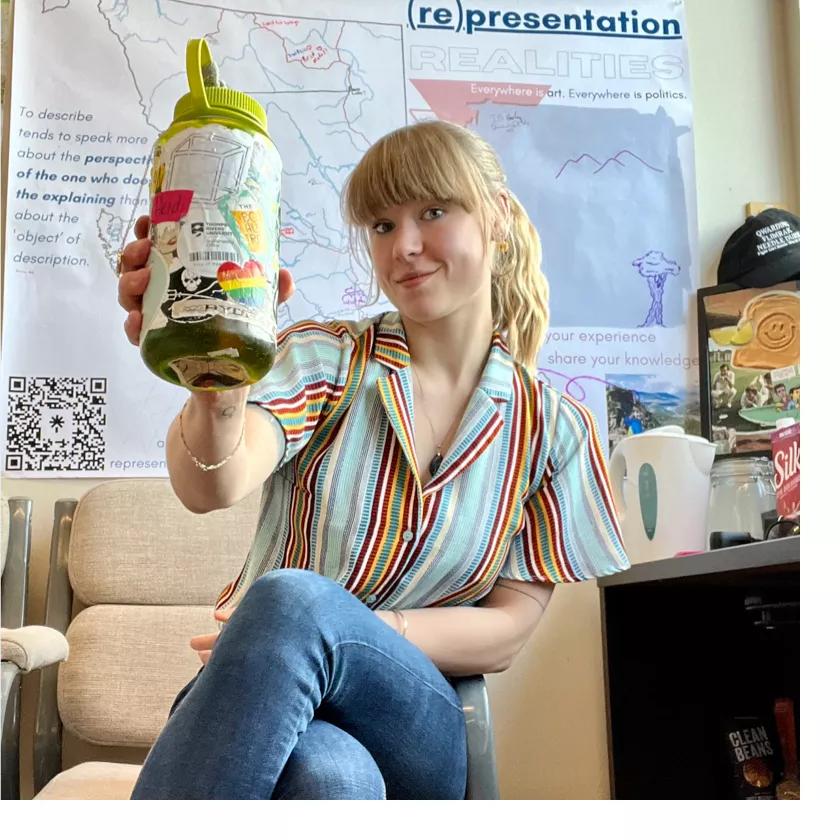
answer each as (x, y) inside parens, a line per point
(639, 402)
(750, 368)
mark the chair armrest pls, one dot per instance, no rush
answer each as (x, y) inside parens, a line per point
(24, 649)
(16, 569)
(47, 741)
(13, 598)
(482, 777)
(33, 647)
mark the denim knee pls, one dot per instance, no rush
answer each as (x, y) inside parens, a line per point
(291, 592)
(298, 581)
(285, 605)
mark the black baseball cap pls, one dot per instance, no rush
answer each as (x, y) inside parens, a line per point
(762, 252)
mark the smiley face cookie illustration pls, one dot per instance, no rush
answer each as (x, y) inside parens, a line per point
(774, 322)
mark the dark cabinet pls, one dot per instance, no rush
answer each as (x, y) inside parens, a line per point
(690, 643)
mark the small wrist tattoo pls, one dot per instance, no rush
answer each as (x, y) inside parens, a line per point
(229, 411)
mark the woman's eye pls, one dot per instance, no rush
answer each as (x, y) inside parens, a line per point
(434, 213)
(383, 227)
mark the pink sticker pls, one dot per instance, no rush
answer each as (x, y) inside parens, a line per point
(170, 206)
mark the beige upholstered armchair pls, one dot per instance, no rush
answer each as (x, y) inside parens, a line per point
(139, 576)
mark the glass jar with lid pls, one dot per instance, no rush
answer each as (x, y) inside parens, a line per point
(742, 490)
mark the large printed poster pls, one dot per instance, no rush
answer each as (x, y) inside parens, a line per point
(587, 105)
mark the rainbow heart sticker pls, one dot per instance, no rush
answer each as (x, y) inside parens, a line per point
(244, 284)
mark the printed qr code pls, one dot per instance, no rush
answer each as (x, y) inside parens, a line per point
(56, 424)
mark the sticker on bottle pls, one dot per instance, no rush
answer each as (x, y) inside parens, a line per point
(171, 206)
(252, 228)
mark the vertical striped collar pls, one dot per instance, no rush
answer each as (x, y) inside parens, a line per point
(391, 350)
(391, 347)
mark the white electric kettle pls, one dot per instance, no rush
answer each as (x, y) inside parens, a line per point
(663, 505)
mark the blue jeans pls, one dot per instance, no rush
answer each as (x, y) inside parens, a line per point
(309, 695)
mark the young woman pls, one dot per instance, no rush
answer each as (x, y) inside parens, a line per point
(422, 494)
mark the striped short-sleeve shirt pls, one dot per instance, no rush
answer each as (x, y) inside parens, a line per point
(522, 492)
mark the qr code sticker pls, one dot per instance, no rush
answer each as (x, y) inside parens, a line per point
(56, 424)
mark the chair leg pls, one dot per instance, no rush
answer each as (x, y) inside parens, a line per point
(46, 748)
(10, 747)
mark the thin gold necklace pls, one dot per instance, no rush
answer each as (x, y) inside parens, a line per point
(437, 460)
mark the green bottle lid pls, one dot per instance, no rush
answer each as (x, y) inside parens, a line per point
(215, 102)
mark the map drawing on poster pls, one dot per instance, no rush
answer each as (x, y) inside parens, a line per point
(324, 109)
(588, 109)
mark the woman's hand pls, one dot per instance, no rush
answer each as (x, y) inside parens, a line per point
(203, 645)
(135, 279)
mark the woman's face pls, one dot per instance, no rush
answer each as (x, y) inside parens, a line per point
(167, 237)
(431, 259)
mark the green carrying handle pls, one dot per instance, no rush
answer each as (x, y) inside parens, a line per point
(198, 56)
(209, 101)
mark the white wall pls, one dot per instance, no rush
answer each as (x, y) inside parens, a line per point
(790, 34)
(549, 708)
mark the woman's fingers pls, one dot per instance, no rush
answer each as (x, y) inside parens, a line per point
(130, 295)
(134, 279)
(135, 255)
(131, 288)
(205, 642)
(133, 325)
(285, 286)
(141, 227)
(132, 285)
(224, 613)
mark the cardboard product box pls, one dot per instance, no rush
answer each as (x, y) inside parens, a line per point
(785, 443)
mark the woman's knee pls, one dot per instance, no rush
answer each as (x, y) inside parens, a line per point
(327, 763)
(293, 595)
(291, 586)
(285, 604)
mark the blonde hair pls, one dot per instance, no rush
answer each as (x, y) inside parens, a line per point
(444, 162)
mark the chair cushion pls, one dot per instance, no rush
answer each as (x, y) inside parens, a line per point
(133, 542)
(126, 666)
(93, 780)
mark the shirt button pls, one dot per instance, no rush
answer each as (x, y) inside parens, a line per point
(370, 599)
(408, 536)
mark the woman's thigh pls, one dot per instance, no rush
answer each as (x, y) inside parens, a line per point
(327, 763)
(373, 683)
